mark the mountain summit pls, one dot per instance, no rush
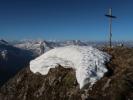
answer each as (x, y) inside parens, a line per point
(60, 83)
(88, 62)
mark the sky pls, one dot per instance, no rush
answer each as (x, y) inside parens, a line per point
(65, 19)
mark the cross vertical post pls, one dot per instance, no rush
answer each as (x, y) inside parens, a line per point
(110, 26)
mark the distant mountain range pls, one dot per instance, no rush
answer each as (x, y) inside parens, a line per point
(37, 47)
(40, 46)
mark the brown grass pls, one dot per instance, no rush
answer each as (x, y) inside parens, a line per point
(121, 76)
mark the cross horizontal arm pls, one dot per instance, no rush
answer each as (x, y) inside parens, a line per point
(110, 16)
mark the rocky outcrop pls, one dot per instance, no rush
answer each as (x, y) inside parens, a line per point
(59, 83)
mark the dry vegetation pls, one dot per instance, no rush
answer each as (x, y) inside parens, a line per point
(118, 82)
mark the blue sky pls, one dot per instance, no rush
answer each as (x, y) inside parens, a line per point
(65, 19)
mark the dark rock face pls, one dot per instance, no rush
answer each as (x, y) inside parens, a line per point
(61, 84)
(12, 59)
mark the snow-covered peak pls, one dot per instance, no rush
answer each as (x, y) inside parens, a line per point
(3, 42)
(88, 62)
(37, 47)
(75, 42)
(3, 54)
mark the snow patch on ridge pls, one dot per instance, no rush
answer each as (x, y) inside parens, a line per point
(88, 62)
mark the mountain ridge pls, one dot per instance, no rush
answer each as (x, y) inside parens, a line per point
(61, 84)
